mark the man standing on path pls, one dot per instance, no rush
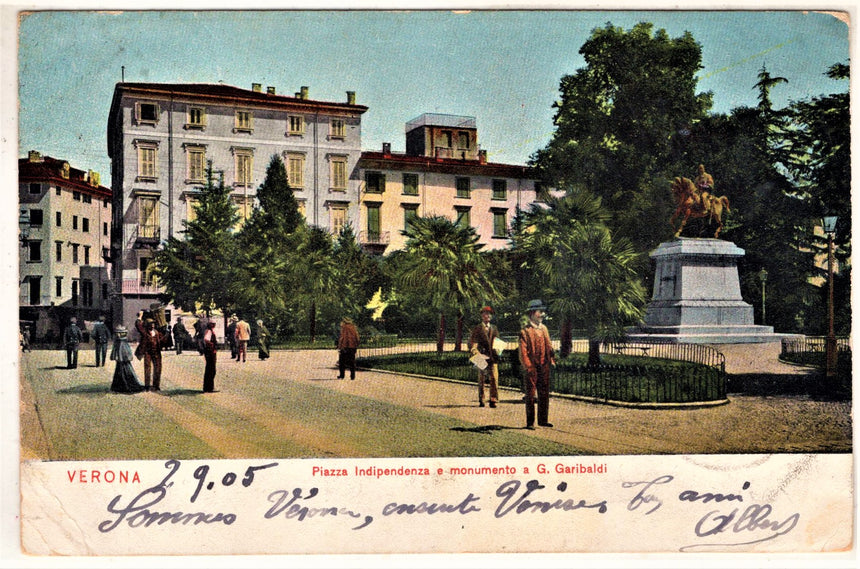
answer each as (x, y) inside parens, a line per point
(347, 344)
(230, 336)
(179, 335)
(72, 338)
(481, 342)
(210, 352)
(536, 356)
(243, 335)
(101, 337)
(150, 345)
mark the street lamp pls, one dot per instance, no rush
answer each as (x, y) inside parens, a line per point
(762, 276)
(830, 349)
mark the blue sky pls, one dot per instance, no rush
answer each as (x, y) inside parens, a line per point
(502, 67)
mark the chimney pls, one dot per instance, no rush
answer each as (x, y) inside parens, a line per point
(270, 90)
(386, 149)
(257, 87)
(34, 156)
(304, 93)
(350, 97)
(482, 156)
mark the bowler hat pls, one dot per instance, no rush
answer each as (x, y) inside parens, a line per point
(487, 309)
(535, 305)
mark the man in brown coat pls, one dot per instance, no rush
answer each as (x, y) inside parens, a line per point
(347, 344)
(481, 342)
(536, 356)
(150, 347)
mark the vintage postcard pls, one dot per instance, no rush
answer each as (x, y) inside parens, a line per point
(475, 281)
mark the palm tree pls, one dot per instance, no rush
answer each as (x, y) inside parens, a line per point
(442, 264)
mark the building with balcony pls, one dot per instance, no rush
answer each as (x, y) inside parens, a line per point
(443, 172)
(162, 136)
(64, 224)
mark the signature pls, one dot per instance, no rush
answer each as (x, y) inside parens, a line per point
(754, 519)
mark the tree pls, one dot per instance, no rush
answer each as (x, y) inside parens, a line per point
(588, 277)
(443, 266)
(619, 124)
(193, 270)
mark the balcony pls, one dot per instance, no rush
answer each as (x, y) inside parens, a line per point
(135, 286)
(146, 235)
(374, 241)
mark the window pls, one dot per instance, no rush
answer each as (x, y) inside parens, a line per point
(88, 198)
(410, 184)
(75, 284)
(58, 286)
(58, 191)
(500, 223)
(105, 202)
(374, 182)
(87, 292)
(36, 217)
(86, 255)
(59, 219)
(148, 221)
(196, 118)
(104, 291)
(35, 188)
(337, 129)
(373, 223)
(463, 187)
(302, 207)
(463, 140)
(540, 195)
(75, 249)
(191, 203)
(85, 225)
(338, 173)
(35, 248)
(104, 228)
(296, 125)
(338, 218)
(410, 212)
(76, 196)
(244, 121)
(147, 276)
(75, 222)
(244, 159)
(296, 170)
(58, 249)
(147, 161)
(196, 164)
(35, 292)
(447, 136)
(500, 189)
(464, 218)
(146, 113)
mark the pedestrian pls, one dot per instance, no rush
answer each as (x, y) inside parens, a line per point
(536, 356)
(25, 339)
(180, 334)
(210, 352)
(72, 338)
(124, 378)
(481, 342)
(243, 335)
(150, 347)
(347, 344)
(263, 340)
(101, 337)
(230, 335)
(199, 328)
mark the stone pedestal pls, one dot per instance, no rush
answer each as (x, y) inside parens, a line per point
(697, 296)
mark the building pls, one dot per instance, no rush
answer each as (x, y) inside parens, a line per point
(162, 136)
(65, 217)
(443, 172)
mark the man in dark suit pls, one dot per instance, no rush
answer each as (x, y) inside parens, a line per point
(101, 337)
(481, 342)
(72, 338)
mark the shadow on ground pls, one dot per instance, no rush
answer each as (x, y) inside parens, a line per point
(485, 429)
(88, 389)
(813, 385)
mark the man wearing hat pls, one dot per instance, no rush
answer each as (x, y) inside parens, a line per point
(230, 336)
(481, 342)
(72, 338)
(150, 346)
(210, 352)
(243, 335)
(101, 337)
(536, 356)
(347, 346)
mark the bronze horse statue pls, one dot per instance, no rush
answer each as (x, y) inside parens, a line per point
(691, 202)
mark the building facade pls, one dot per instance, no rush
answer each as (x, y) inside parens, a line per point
(162, 136)
(443, 172)
(64, 223)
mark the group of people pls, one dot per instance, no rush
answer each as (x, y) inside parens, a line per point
(536, 357)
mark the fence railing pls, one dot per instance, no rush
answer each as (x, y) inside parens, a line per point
(811, 344)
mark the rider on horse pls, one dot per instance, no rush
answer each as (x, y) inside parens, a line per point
(704, 186)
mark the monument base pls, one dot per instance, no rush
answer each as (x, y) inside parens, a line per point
(697, 296)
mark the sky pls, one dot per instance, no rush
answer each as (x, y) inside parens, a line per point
(501, 67)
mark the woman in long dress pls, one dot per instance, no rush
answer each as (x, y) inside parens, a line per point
(124, 378)
(263, 339)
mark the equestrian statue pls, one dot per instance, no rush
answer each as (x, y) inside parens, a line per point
(694, 199)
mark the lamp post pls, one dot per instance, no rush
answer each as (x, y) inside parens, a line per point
(830, 349)
(762, 276)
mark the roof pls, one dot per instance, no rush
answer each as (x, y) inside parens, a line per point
(437, 119)
(406, 162)
(49, 169)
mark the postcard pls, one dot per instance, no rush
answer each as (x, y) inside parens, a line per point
(252, 246)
